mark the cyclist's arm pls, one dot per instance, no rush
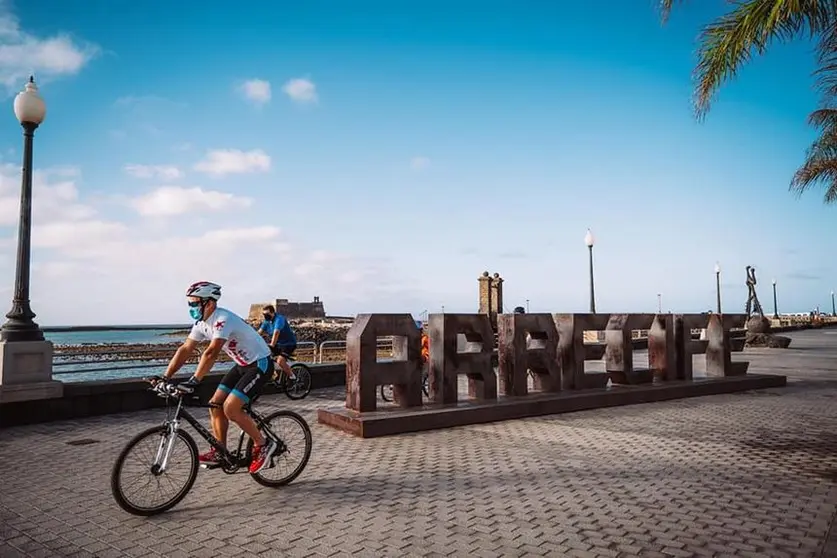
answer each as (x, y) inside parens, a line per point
(181, 355)
(208, 358)
(278, 324)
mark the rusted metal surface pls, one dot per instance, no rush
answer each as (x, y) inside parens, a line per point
(661, 350)
(619, 353)
(528, 342)
(572, 352)
(447, 363)
(363, 371)
(551, 346)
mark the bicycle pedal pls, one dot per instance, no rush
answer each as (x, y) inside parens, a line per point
(210, 465)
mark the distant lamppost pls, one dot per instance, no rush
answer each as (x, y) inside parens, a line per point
(589, 241)
(718, 285)
(527, 303)
(775, 305)
(30, 110)
(659, 303)
(833, 309)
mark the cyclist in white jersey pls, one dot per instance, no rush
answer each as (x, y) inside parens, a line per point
(253, 368)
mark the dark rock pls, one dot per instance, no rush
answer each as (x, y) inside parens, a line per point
(768, 340)
(758, 324)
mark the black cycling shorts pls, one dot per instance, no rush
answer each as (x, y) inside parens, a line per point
(283, 349)
(246, 382)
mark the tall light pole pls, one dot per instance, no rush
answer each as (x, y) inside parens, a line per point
(833, 309)
(589, 241)
(527, 303)
(659, 303)
(718, 285)
(775, 305)
(30, 111)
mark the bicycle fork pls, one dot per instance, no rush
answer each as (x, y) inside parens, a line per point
(165, 448)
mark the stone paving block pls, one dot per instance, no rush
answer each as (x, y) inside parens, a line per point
(744, 474)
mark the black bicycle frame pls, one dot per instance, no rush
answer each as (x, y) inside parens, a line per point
(232, 459)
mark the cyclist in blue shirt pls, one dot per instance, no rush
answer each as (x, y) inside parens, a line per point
(282, 337)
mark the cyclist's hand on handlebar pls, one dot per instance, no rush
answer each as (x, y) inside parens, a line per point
(188, 386)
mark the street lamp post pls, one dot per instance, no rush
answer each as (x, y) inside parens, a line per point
(527, 304)
(833, 309)
(30, 110)
(775, 305)
(589, 241)
(718, 285)
(659, 303)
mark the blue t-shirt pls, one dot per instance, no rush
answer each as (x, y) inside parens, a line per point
(286, 333)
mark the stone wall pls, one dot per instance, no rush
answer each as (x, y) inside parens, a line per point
(289, 309)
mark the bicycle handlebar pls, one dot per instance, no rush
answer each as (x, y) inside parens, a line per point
(162, 387)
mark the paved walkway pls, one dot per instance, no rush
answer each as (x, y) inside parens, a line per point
(750, 474)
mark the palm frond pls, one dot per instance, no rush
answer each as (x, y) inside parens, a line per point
(824, 118)
(730, 42)
(820, 167)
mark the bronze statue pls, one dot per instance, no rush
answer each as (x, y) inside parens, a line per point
(753, 299)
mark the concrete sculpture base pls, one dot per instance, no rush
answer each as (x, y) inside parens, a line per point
(397, 420)
(26, 371)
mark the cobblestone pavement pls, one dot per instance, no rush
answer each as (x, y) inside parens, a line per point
(749, 474)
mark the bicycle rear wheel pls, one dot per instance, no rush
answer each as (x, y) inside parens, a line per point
(137, 471)
(301, 386)
(291, 446)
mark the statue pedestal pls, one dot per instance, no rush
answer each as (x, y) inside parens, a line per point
(26, 371)
(758, 324)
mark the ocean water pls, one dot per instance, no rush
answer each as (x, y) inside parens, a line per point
(112, 336)
(82, 368)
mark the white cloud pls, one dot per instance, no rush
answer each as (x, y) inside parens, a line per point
(174, 200)
(55, 196)
(301, 90)
(85, 257)
(22, 53)
(220, 162)
(418, 162)
(162, 172)
(256, 90)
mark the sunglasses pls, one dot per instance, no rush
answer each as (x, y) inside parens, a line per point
(193, 303)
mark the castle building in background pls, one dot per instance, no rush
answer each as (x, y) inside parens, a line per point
(289, 309)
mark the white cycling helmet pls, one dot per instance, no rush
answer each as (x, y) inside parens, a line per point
(204, 289)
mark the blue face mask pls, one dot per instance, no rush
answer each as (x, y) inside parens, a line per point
(196, 312)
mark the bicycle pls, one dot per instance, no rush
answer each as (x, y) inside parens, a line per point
(163, 440)
(386, 390)
(295, 389)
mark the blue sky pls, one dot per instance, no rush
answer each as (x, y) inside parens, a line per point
(403, 148)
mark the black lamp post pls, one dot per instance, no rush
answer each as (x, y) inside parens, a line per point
(20, 326)
(833, 309)
(775, 305)
(588, 240)
(718, 285)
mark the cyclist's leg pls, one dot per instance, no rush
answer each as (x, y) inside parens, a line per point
(220, 421)
(282, 360)
(217, 418)
(250, 385)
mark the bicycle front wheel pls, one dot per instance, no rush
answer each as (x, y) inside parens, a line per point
(301, 386)
(294, 436)
(139, 472)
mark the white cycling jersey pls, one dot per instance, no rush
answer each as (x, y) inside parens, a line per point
(244, 344)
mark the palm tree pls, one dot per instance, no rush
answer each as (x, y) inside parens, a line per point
(749, 28)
